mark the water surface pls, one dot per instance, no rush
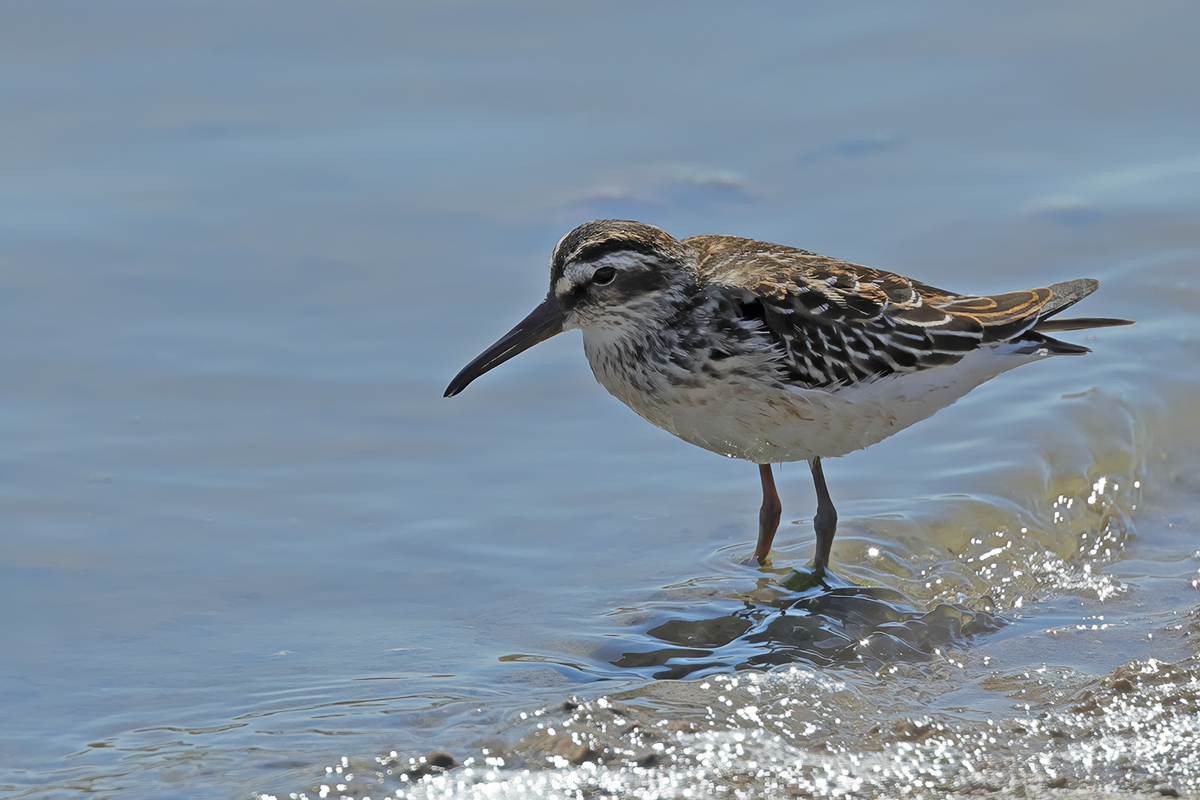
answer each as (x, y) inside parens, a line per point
(248, 548)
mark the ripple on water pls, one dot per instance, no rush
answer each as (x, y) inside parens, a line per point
(872, 686)
(952, 577)
(826, 626)
(799, 732)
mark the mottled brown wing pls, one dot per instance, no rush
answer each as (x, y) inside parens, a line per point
(841, 323)
(1002, 312)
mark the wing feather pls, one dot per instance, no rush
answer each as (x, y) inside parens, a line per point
(837, 323)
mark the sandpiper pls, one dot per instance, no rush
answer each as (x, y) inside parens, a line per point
(769, 353)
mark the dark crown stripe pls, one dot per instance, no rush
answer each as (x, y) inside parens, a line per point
(594, 251)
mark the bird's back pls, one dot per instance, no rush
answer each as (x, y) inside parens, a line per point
(841, 323)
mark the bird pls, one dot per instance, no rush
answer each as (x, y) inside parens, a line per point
(774, 354)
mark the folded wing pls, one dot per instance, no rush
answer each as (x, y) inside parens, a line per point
(838, 323)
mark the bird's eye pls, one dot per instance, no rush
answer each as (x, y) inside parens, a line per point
(604, 275)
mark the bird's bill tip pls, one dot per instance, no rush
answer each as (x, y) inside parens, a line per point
(543, 322)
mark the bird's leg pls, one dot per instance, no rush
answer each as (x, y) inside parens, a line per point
(825, 522)
(768, 515)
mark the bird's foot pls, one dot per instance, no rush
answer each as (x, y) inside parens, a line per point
(758, 561)
(805, 579)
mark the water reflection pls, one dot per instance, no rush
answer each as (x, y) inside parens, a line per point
(819, 623)
(236, 501)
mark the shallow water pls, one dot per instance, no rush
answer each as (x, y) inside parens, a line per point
(249, 549)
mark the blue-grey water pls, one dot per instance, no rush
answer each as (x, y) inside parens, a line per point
(248, 550)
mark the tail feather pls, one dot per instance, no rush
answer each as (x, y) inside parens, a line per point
(1078, 324)
(1036, 343)
(1063, 296)
(1066, 294)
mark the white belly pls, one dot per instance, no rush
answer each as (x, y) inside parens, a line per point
(739, 417)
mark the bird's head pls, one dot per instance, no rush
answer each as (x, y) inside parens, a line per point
(603, 274)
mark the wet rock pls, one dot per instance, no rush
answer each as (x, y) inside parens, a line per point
(1122, 685)
(432, 764)
(575, 752)
(911, 730)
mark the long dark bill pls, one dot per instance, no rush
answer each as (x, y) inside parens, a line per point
(542, 323)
